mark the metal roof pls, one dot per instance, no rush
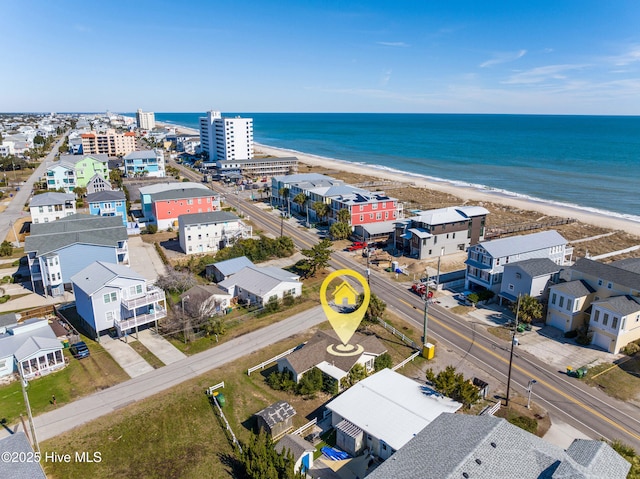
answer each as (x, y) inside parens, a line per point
(258, 281)
(141, 155)
(232, 266)
(502, 247)
(98, 274)
(370, 403)
(23, 344)
(51, 198)
(169, 185)
(207, 218)
(107, 195)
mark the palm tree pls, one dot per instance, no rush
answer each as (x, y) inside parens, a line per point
(344, 216)
(301, 199)
(321, 209)
(284, 193)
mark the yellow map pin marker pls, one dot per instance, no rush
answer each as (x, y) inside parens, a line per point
(345, 324)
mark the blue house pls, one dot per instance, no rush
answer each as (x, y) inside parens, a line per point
(108, 203)
(144, 163)
(59, 249)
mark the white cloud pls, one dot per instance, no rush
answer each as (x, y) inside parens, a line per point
(386, 76)
(503, 57)
(632, 55)
(393, 44)
(542, 74)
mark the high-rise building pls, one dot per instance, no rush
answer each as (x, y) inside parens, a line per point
(226, 138)
(145, 120)
(109, 143)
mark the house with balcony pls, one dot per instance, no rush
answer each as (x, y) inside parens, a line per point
(61, 175)
(73, 171)
(51, 206)
(486, 260)
(145, 163)
(607, 296)
(58, 250)
(209, 232)
(110, 295)
(441, 231)
(108, 203)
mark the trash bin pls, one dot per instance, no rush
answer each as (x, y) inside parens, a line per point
(579, 373)
(429, 351)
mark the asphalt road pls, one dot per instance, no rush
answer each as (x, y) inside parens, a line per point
(567, 399)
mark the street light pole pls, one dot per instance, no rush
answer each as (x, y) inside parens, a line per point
(513, 342)
(426, 318)
(530, 388)
(184, 319)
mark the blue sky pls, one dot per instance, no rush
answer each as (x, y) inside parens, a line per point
(557, 57)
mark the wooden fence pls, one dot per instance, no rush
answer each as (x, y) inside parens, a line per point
(508, 229)
(399, 334)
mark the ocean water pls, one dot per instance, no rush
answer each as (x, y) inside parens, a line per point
(591, 162)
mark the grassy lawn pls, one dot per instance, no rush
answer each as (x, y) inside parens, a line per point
(176, 433)
(621, 381)
(147, 355)
(501, 332)
(78, 379)
(516, 409)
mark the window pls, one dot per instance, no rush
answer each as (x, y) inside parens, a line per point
(137, 289)
(110, 297)
(614, 322)
(110, 316)
(600, 282)
(518, 276)
(374, 206)
(609, 285)
(561, 302)
(378, 216)
(510, 287)
(605, 319)
(569, 304)
(596, 316)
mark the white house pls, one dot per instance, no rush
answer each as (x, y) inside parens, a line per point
(110, 295)
(486, 260)
(30, 348)
(383, 412)
(211, 231)
(52, 206)
(255, 285)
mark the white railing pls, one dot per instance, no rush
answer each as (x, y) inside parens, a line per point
(153, 295)
(140, 320)
(311, 423)
(272, 360)
(399, 334)
(224, 418)
(490, 410)
(410, 358)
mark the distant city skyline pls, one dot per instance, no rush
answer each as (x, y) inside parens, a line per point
(545, 57)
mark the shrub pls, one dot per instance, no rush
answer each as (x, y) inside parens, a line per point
(4, 298)
(6, 248)
(631, 349)
(527, 423)
(571, 334)
(485, 295)
(383, 361)
(474, 298)
(152, 229)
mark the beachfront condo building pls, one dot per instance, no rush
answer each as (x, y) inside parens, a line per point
(226, 138)
(110, 143)
(145, 120)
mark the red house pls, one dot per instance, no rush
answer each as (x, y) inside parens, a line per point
(167, 206)
(366, 207)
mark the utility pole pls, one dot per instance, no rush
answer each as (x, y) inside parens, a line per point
(184, 318)
(513, 342)
(24, 382)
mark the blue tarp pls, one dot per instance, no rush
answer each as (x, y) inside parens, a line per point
(334, 454)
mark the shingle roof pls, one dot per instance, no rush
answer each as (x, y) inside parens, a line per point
(18, 443)
(207, 218)
(608, 272)
(315, 351)
(140, 155)
(623, 305)
(295, 444)
(46, 199)
(276, 413)
(597, 457)
(106, 195)
(486, 447)
(576, 289)
(181, 193)
(629, 264)
(535, 266)
(99, 273)
(78, 228)
(500, 248)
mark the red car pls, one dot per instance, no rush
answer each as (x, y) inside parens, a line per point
(356, 246)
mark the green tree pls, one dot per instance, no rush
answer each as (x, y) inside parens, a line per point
(39, 140)
(6, 248)
(321, 209)
(317, 258)
(467, 393)
(452, 384)
(115, 177)
(339, 230)
(382, 362)
(310, 382)
(261, 461)
(302, 200)
(375, 309)
(530, 309)
(630, 455)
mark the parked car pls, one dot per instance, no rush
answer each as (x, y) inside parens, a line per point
(80, 350)
(356, 246)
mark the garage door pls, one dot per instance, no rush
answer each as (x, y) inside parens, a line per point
(601, 340)
(557, 322)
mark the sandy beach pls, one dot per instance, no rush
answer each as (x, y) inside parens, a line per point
(464, 193)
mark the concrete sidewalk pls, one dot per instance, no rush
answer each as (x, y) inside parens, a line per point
(160, 347)
(127, 357)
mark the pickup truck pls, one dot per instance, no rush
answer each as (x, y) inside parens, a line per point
(356, 246)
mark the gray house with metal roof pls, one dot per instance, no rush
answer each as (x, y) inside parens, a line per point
(487, 447)
(255, 285)
(58, 250)
(223, 269)
(486, 260)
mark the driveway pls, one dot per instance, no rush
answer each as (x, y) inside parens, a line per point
(125, 356)
(160, 347)
(144, 259)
